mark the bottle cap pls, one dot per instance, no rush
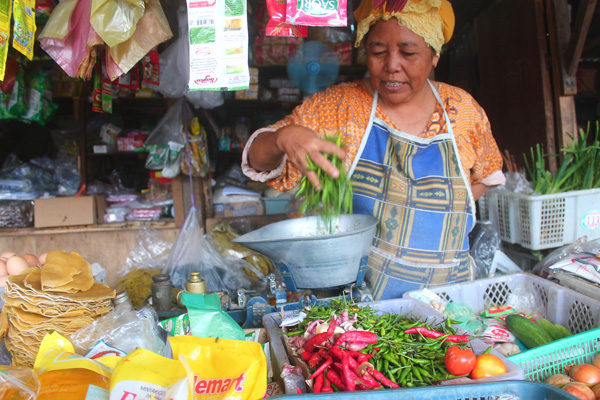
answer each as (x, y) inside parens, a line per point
(120, 297)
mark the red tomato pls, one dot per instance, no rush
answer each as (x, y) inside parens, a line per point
(459, 361)
(488, 365)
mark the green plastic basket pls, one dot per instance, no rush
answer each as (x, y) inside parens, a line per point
(541, 362)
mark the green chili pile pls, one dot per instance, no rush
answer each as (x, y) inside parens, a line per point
(335, 196)
(401, 350)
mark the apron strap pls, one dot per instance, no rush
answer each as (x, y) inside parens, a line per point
(365, 138)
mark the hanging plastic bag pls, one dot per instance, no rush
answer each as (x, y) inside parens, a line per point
(167, 139)
(151, 30)
(70, 39)
(192, 252)
(115, 20)
(175, 70)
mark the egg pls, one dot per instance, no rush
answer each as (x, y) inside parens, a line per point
(7, 254)
(3, 279)
(42, 258)
(31, 260)
(3, 268)
(16, 265)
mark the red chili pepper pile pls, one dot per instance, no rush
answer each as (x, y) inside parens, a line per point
(396, 350)
(347, 370)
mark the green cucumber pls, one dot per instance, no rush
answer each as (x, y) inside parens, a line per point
(531, 334)
(564, 331)
(549, 327)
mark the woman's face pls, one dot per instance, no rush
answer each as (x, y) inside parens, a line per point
(399, 62)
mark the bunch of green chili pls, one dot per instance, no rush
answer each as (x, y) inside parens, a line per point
(335, 196)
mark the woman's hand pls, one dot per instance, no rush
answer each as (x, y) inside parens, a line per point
(298, 142)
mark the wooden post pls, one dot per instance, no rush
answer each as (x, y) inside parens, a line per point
(183, 190)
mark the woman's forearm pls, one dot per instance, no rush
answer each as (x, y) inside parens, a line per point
(479, 190)
(264, 154)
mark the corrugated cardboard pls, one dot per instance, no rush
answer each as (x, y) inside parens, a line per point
(66, 211)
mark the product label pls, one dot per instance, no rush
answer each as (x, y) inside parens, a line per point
(96, 393)
(591, 220)
(102, 349)
(218, 40)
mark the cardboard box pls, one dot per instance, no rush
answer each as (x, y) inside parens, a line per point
(68, 211)
(240, 209)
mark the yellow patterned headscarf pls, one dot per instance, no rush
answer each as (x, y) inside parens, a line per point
(433, 20)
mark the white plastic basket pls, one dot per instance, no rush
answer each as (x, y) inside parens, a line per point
(564, 306)
(280, 355)
(545, 221)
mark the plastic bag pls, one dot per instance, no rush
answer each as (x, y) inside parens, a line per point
(65, 375)
(20, 382)
(141, 371)
(175, 70)
(525, 298)
(467, 318)
(166, 140)
(223, 368)
(208, 320)
(69, 38)
(485, 241)
(120, 331)
(542, 268)
(150, 251)
(151, 30)
(192, 252)
(115, 21)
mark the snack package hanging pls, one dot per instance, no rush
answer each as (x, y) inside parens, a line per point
(195, 158)
(151, 67)
(115, 21)
(218, 44)
(223, 369)
(144, 375)
(277, 25)
(207, 319)
(24, 26)
(17, 104)
(68, 376)
(317, 13)
(18, 383)
(5, 14)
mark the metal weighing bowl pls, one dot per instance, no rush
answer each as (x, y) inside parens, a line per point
(314, 258)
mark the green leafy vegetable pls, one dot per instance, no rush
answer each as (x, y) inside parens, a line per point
(579, 169)
(335, 196)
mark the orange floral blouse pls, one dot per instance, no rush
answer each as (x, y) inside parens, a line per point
(346, 108)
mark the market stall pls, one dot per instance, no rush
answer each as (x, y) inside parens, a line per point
(158, 240)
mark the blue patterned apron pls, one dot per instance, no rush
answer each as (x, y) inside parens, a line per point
(418, 191)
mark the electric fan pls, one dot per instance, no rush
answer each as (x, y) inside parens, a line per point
(313, 67)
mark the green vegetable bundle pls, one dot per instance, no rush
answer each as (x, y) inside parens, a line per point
(579, 170)
(335, 196)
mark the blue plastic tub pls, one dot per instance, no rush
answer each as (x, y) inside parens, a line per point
(275, 205)
(506, 390)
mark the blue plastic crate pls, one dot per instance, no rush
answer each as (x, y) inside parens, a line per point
(506, 390)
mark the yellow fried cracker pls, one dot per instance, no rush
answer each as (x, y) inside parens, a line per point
(61, 270)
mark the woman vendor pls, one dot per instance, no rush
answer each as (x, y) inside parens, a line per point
(419, 152)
